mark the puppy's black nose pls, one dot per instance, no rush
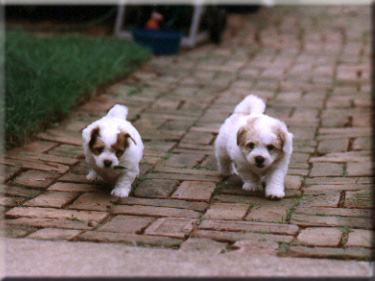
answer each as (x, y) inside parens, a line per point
(107, 163)
(259, 159)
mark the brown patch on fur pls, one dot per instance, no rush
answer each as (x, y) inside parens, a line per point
(95, 143)
(281, 137)
(246, 131)
(122, 143)
(279, 143)
(241, 136)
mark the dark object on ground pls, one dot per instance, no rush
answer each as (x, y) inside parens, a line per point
(179, 18)
(161, 41)
(65, 13)
(218, 22)
(241, 9)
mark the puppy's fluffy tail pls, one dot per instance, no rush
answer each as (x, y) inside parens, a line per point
(118, 111)
(250, 105)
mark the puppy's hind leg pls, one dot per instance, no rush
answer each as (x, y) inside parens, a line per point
(225, 165)
(224, 162)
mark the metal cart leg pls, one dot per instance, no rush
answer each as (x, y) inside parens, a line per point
(120, 19)
(195, 37)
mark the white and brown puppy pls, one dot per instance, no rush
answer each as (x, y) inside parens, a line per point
(113, 150)
(255, 146)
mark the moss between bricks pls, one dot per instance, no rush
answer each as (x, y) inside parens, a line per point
(167, 156)
(289, 213)
(283, 248)
(74, 218)
(219, 187)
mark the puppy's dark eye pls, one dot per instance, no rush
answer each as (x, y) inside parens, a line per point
(119, 153)
(270, 147)
(99, 150)
(250, 145)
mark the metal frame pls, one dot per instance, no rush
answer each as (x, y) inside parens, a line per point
(190, 41)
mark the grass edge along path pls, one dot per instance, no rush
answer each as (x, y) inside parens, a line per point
(47, 76)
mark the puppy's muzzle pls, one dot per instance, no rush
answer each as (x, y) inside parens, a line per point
(259, 160)
(107, 163)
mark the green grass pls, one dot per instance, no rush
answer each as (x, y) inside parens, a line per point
(167, 156)
(140, 179)
(47, 76)
(74, 218)
(133, 92)
(283, 247)
(289, 214)
(219, 187)
(345, 173)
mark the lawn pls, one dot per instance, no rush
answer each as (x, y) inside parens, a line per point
(47, 76)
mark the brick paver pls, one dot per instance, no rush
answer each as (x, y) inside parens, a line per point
(361, 238)
(193, 244)
(198, 191)
(313, 74)
(171, 227)
(320, 236)
(126, 224)
(262, 247)
(156, 188)
(54, 234)
(226, 211)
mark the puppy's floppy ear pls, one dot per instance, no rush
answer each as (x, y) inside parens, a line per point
(90, 133)
(285, 138)
(95, 133)
(123, 140)
(241, 136)
(246, 130)
(127, 135)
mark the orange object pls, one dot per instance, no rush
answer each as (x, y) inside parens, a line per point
(154, 21)
(152, 24)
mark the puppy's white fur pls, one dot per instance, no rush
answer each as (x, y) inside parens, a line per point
(109, 142)
(255, 146)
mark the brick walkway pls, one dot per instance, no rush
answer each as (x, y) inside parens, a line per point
(311, 65)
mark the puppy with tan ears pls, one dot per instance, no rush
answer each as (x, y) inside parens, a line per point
(255, 146)
(113, 150)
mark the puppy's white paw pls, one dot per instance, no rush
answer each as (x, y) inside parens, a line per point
(251, 186)
(275, 193)
(120, 191)
(92, 176)
(235, 172)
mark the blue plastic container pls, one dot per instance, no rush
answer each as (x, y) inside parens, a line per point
(161, 41)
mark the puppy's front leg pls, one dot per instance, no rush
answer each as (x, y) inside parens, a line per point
(92, 176)
(275, 184)
(124, 184)
(252, 182)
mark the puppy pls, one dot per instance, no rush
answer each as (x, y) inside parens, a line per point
(113, 150)
(255, 146)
